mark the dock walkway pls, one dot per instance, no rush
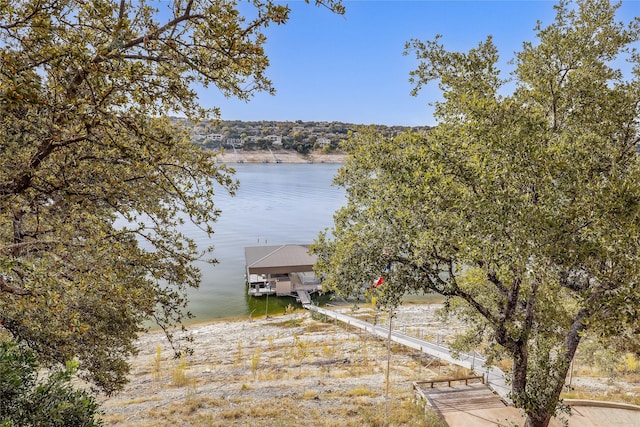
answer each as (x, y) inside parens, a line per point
(494, 377)
(304, 297)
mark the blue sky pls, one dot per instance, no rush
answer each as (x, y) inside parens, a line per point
(350, 68)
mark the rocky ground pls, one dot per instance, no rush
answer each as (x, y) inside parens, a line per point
(287, 369)
(277, 371)
(276, 156)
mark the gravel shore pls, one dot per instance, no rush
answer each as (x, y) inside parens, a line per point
(278, 156)
(286, 369)
(275, 371)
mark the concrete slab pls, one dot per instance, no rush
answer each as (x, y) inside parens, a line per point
(475, 405)
(582, 416)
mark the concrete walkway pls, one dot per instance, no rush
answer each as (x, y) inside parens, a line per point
(583, 414)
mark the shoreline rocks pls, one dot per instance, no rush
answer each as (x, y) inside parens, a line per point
(280, 156)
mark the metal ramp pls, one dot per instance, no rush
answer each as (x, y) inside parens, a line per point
(304, 297)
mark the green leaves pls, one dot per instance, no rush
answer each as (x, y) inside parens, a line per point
(26, 400)
(522, 208)
(95, 181)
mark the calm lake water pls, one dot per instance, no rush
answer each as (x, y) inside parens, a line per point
(276, 204)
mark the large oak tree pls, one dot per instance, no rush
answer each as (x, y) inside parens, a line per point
(522, 206)
(94, 180)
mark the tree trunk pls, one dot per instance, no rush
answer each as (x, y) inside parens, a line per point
(538, 420)
(540, 416)
(519, 372)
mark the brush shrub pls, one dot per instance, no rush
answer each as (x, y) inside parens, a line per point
(27, 400)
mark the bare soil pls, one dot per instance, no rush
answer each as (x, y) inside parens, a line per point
(278, 371)
(283, 370)
(277, 156)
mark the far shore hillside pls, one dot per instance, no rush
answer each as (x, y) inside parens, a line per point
(276, 156)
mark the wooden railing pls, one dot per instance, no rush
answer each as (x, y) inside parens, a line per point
(466, 380)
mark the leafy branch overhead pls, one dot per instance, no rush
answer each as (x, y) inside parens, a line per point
(94, 180)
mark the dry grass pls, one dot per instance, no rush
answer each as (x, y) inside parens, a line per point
(288, 370)
(142, 399)
(626, 396)
(295, 371)
(285, 413)
(362, 391)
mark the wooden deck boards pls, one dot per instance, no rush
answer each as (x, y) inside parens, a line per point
(462, 398)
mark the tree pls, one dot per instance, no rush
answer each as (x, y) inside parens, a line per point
(95, 181)
(27, 401)
(522, 209)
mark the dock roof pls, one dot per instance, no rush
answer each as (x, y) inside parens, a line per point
(279, 259)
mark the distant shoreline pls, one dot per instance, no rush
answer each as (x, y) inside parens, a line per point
(279, 156)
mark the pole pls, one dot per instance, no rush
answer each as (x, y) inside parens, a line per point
(388, 365)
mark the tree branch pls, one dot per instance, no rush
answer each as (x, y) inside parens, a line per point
(4, 287)
(17, 246)
(493, 278)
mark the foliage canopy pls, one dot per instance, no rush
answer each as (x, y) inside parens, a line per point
(523, 208)
(94, 180)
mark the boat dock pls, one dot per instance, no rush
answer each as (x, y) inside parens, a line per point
(281, 270)
(304, 297)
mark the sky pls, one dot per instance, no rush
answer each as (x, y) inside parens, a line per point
(351, 68)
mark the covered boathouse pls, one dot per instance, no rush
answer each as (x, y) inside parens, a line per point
(282, 270)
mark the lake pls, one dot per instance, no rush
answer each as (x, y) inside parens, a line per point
(276, 203)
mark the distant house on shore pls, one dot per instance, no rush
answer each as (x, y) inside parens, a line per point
(275, 139)
(323, 141)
